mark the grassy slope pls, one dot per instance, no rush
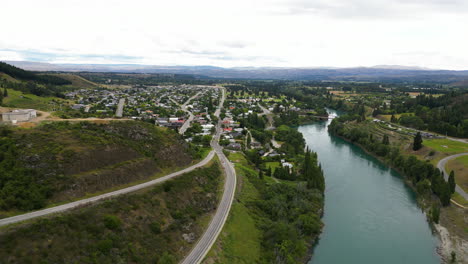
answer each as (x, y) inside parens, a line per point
(134, 228)
(459, 166)
(17, 99)
(446, 146)
(84, 159)
(77, 81)
(239, 242)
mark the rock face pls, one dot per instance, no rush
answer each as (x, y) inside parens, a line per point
(451, 243)
(190, 237)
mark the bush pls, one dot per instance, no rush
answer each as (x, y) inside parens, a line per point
(155, 227)
(105, 245)
(112, 222)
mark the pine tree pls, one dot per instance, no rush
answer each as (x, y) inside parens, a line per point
(393, 119)
(1, 98)
(313, 174)
(260, 175)
(5, 92)
(417, 144)
(385, 140)
(435, 213)
(451, 181)
(445, 195)
(268, 172)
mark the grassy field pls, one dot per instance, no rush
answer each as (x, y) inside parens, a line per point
(389, 117)
(459, 166)
(19, 100)
(446, 146)
(240, 240)
(273, 165)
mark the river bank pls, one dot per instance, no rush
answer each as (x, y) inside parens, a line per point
(451, 219)
(449, 241)
(368, 208)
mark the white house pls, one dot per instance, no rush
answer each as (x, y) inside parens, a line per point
(19, 115)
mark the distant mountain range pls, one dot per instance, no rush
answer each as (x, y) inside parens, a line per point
(376, 73)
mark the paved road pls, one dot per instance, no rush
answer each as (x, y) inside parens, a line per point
(186, 125)
(120, 106)
(205, 243)
(441, 167)
(68, 206)
(462, 140)
(269, 116)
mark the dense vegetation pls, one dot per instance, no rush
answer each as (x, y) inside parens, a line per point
(446, 114)
(61, 160)
(33, 83)
(21, 74)
(157, 225)
(424, 176)
(286, 213)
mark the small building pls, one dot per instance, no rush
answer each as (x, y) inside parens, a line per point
(234, 146)
(19, 115)
(78, 106)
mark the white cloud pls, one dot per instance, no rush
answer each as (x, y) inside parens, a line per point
(287, 33)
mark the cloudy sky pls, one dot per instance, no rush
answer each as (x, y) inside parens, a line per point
(282, 33)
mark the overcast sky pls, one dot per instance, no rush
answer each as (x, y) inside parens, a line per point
(285, 33)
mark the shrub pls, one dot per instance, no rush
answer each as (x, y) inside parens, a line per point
(155, 227)
(112, 222)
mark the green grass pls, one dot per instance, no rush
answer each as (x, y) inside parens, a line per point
(240, 240)
(238, 157)
(459, 166)
(272, 164)
(446, 145)
(459, 199)
(388, 117)
(463, 160)
(20, 100)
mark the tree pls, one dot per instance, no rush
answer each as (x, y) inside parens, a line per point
(260, 175)
(385, 140)
(393, 119)
(5, 92)
(167, 258)
(1, 98)
(417, 144)
(268, 172)
(451, 181)
(435, 213)
(445, 194)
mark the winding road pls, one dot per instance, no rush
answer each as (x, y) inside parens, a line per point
(83, 202)
(441, 167)
(207, 240)
(186, 125)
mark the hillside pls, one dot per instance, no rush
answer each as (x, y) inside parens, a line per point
(76, 81)
(156, 225)
(40, 84)
(61, 161)
(24, 75)
(383, 73)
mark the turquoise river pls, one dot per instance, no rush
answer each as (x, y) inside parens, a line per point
(371, 216)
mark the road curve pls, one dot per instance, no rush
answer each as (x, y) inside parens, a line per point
(441, 167)
(68, 206)
(191, 116)
(205, 243)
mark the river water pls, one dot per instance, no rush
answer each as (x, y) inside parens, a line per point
(371, 216)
